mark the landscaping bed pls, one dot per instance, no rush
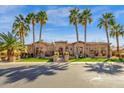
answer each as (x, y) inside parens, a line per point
(96, 60)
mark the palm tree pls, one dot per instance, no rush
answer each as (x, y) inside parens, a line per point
(10, 43)
(104, 22)
(42, 19)
(85, 19)
(116, 31)
(74, 20)
(31, 19)
(21, 28)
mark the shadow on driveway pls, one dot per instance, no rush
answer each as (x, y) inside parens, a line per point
(107, 68)
(31, 72)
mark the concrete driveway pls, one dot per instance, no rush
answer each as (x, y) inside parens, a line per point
(61, 75)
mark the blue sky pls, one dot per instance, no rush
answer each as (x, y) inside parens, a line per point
(58, 26)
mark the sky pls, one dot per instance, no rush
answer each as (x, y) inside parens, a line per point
(58, 27)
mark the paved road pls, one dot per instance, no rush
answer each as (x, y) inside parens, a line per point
(63, 75)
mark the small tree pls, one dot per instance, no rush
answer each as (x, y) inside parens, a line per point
(10, 43)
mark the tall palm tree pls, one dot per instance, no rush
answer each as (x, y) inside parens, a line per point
(74, 20)
(116, 31)
(31, 19)
(21, 28)
(104, 22)
(42, 19)
(10, 43)
(85, 18)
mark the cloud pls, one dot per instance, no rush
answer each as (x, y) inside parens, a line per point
(7, 16)
(58, 21)
(6, 19)
(118, 13)
(105, 9)
(99, 9)
(6, 23)
(61, 12)
(72, 37)
(9, 8)
(59, 16)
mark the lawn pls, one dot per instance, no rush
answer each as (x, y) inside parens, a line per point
(72, 60)
(96, 60)
(34, 60)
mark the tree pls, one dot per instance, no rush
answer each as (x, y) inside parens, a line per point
(10, 43)
(104, 22)
(74, 20)
(42, 19)
(21, 28)
(85, 18)
(31, 19)
(117, 30)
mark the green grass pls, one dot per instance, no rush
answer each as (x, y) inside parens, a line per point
(34, 60)
(96, 60)
(72, 60)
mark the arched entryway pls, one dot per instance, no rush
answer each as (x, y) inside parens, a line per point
(60, 51)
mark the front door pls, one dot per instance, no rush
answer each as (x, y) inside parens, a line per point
(61, 51)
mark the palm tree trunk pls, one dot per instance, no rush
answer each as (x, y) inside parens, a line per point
(117, 40)
(23, 40)
(21, 36)
(20, 39)
(8, 55)
(33, 40)
(77, 40)
(85, 34)
(40, 32)
(77, 32)
(33, 33)
(108, 46)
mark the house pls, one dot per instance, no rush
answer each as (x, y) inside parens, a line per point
(91, 49)
(115, 53)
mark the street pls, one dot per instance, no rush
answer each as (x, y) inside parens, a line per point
(61, 75)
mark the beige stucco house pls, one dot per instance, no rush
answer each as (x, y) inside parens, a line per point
(92, 49)
(44, 49)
